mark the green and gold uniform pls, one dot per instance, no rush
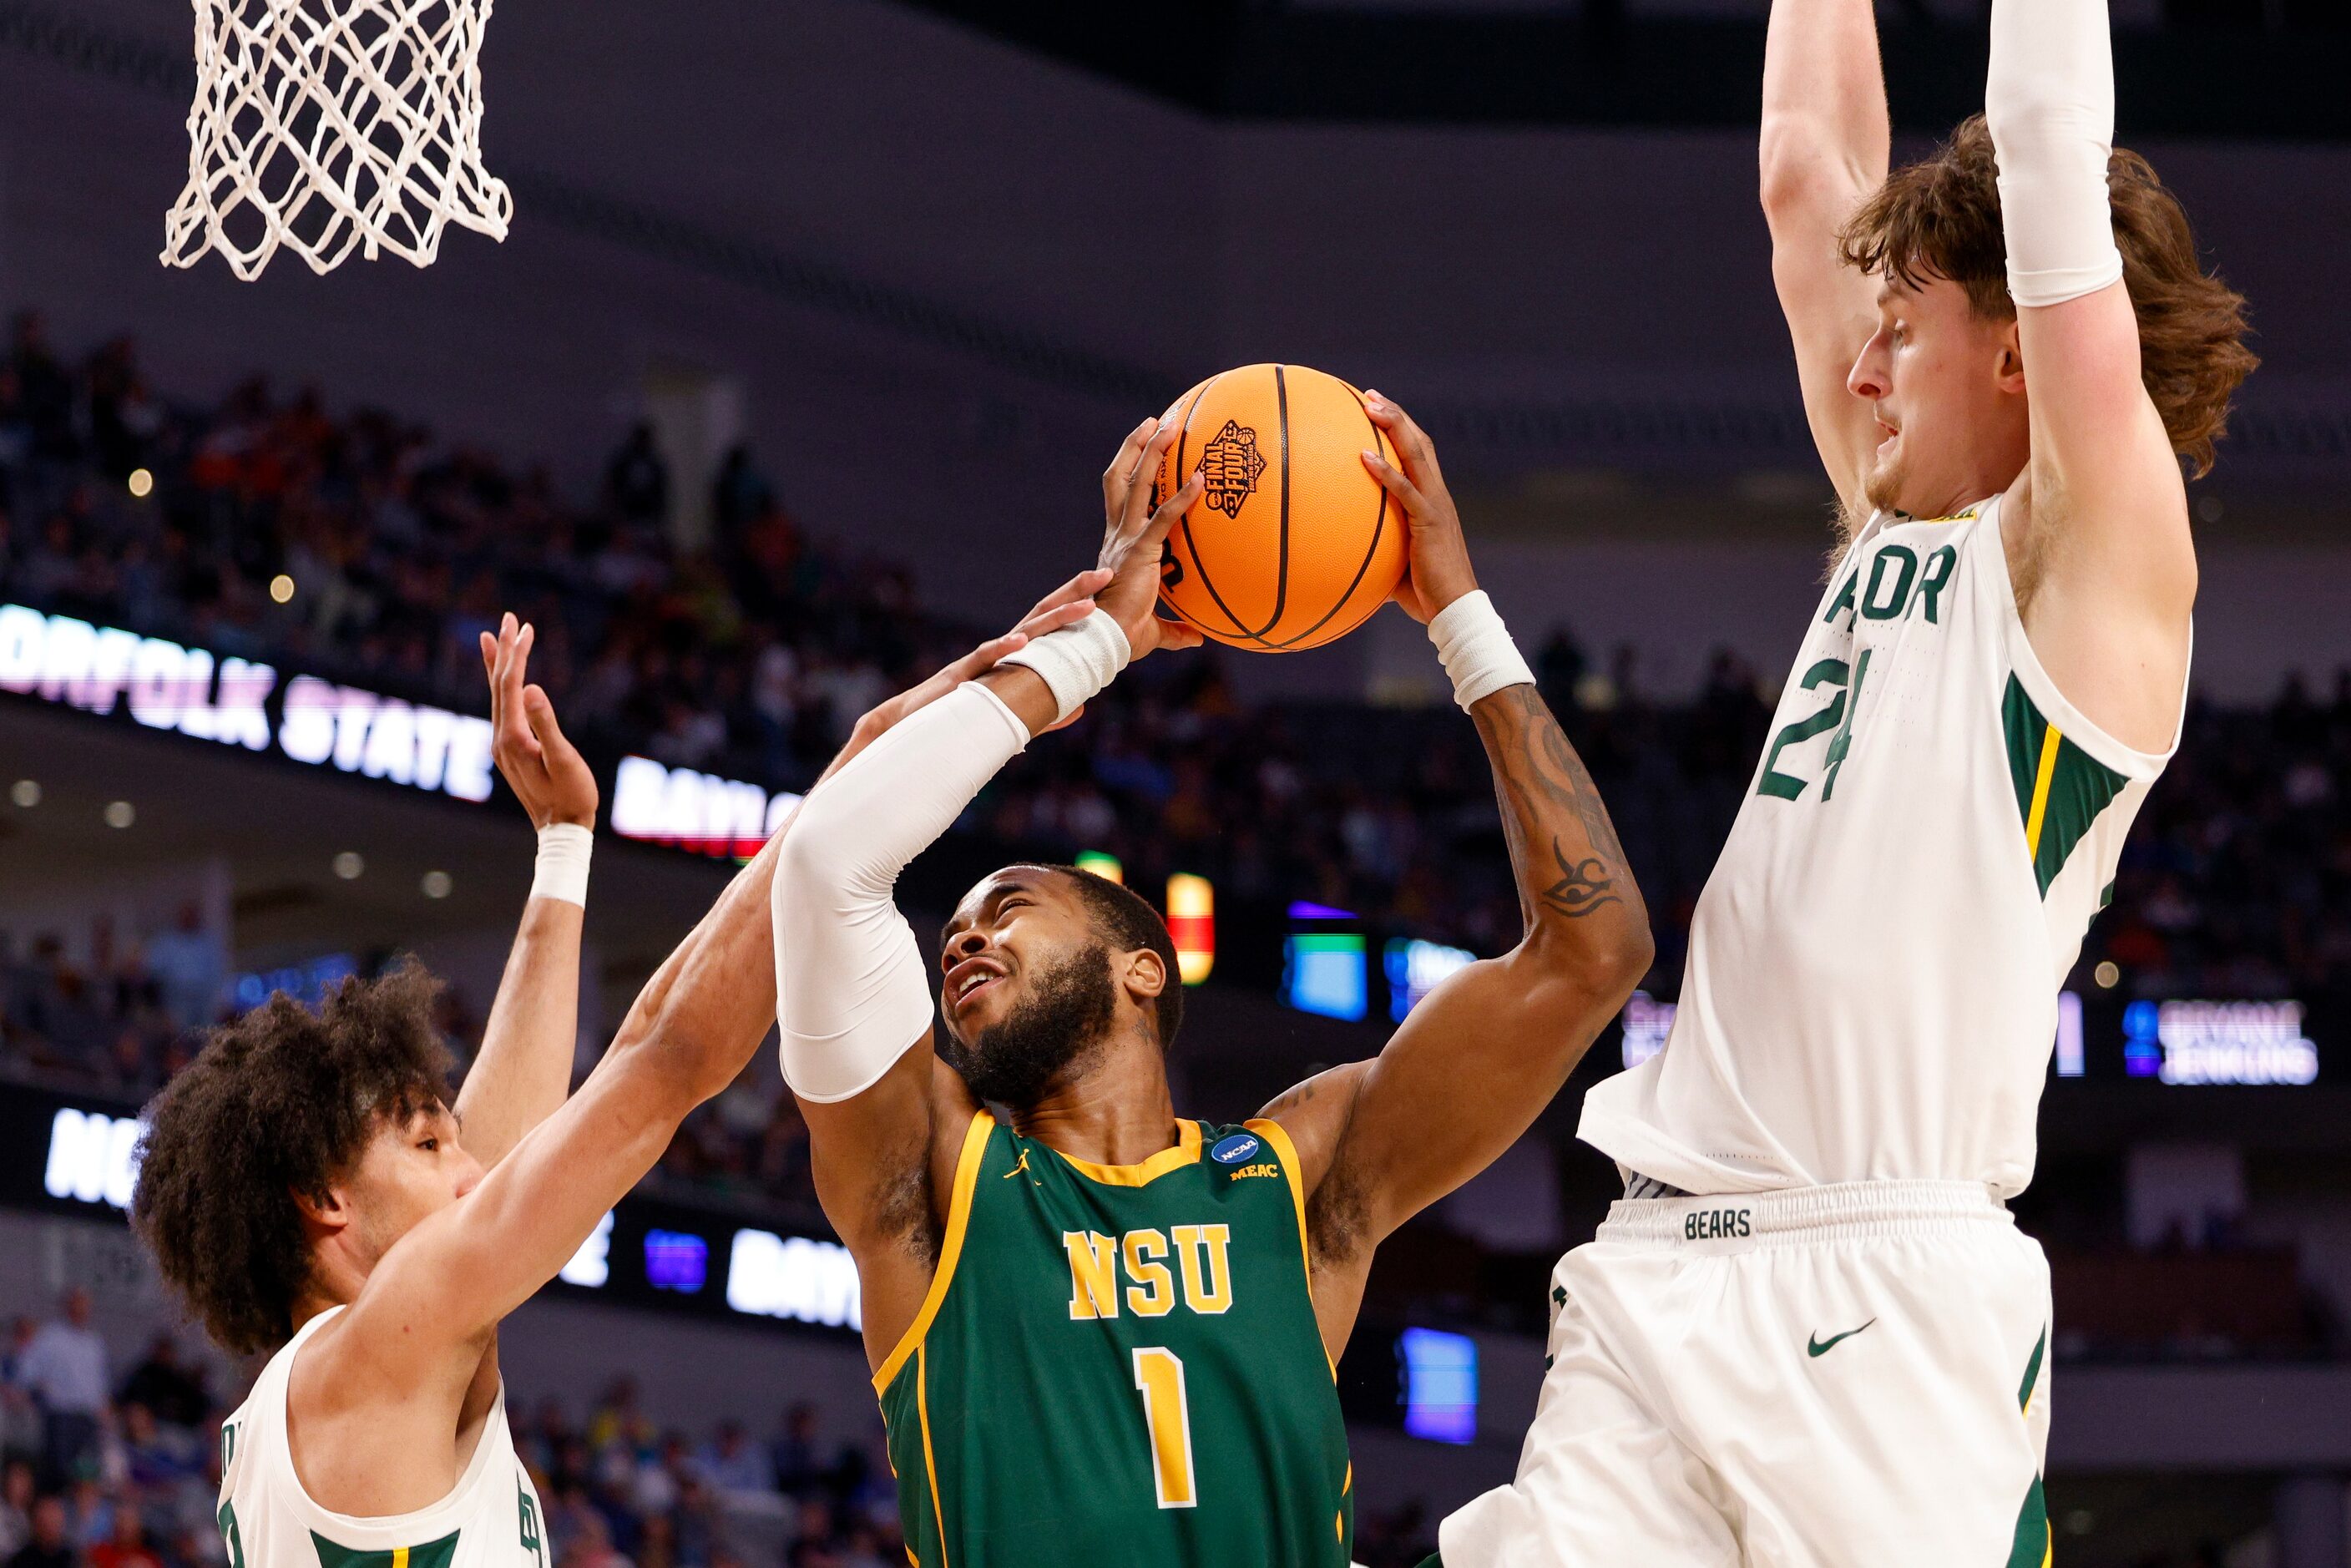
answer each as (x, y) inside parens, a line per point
(1119, 1365)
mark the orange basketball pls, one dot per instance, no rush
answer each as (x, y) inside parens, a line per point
(1292, 543)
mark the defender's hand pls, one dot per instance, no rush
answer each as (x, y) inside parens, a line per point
(1134, 537)
(1436, 570)
(1065, 606)
(544, 769)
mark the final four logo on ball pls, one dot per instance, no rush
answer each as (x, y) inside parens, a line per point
(1232, 1151)
(1229, 466)
(1281, 445)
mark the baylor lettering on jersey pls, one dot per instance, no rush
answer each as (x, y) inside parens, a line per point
(1119, 1366)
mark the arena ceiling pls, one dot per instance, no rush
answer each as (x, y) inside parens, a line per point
(1606, 62)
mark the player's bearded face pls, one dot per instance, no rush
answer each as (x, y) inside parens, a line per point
(1062, 1016)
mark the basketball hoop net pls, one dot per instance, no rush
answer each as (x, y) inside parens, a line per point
(329, 125)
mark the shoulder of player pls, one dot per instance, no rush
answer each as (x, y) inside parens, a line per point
(357, 1360)
(398, 1326)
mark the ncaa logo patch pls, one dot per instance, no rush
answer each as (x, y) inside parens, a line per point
(1232, 1151)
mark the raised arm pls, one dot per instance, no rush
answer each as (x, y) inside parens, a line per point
(1480, 1057)
(1823, 150)
(692, 1028)
(885, 1114)
(524, 1068)
(2109, 575)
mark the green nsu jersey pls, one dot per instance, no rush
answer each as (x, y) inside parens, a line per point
(1119, 1366)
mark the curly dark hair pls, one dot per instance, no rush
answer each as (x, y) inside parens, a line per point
(1940, 218)
(281, 1101)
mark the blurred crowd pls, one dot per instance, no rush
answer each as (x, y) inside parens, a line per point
(107, 1467)
(358, 545)
(121, 1024)
(103, 1467)
(361, 547)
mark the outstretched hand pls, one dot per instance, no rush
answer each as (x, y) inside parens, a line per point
(1134, 535)
(1065, 606)
(1436, 570)
(545, 770)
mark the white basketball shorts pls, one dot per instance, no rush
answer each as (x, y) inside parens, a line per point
(1844, 1376)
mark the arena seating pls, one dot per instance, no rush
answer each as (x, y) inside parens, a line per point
(392, 549)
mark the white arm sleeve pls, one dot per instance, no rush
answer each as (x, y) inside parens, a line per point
(2048, 97)
(853, 989)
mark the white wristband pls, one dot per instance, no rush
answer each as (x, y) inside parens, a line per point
(1476, 649)
(2049, 100)
(1078, 661)
(562, 872)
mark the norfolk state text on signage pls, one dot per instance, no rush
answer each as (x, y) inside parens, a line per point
(240, 703)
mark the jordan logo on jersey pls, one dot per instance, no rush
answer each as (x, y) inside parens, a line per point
(1098, 1263)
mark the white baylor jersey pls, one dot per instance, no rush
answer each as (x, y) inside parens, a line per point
(490, 1519)
(1871, 992)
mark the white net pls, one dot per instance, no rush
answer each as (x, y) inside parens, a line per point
(326, 126)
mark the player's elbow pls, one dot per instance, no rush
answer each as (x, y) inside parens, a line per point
(1623, 963)
(1802, 176)
(1590, 975)
(1788, 162)
(674, 1066)
(811, 854)
(824, 862)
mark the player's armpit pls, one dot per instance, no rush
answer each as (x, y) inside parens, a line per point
(870, 1150)
(1315, 1114)
(2105, 563)
(884, 1164)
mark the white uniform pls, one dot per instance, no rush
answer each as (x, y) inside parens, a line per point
(490, 1519)
(1854, 1069)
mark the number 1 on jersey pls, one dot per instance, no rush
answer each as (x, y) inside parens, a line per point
(1160, 1376)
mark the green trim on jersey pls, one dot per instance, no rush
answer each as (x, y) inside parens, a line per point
(1119, 1366)
(432, 1554)
(2060, 787)
(2034, 1545)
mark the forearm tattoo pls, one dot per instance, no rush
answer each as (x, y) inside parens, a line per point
(1547, 795)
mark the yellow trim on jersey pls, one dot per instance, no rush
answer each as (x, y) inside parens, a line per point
(1274, 1133)
(1187, 1151)
(2049, 741)
(930, 1460)
(967, 1176)
(400, 1557)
